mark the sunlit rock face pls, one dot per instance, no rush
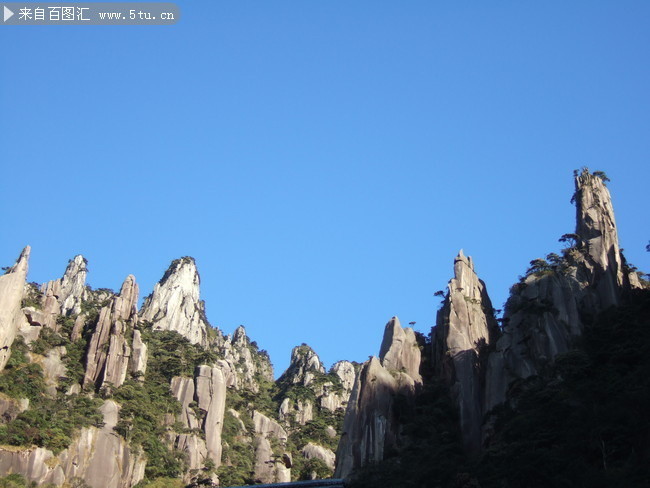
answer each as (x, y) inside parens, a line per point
(465, 326)
(175, 303)
(370, 427)
(12, 286)
(109, 355)
(272, 465)
(64, 296)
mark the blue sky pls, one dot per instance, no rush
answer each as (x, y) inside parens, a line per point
(323, 161)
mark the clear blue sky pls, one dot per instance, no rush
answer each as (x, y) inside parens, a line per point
(323, 161)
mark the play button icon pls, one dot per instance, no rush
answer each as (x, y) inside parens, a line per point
(7, 14)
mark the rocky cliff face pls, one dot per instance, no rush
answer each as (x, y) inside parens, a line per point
(465, 326)
(272, 465)
(175, 303)
(12, 285)
(545, 311)
(371, 426)
(98, 457)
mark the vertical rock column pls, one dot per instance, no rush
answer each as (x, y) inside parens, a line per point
(464, 324)
(108, 353)
(12, 285)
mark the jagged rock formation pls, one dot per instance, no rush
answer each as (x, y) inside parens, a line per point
(175, 303)
(191, 444)
(371, 428)
(207, 390)
(465, 325)
(312, 450)
(99, 457)
(271, 465)
(64, 296)
(331, 397)
(544, 313)
(12, 285)
(305, 363)
(400, 351)
(242, 357)
(109, 354)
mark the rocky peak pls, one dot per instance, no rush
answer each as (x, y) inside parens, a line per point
(12, 286)
(175, 303)
(464, 323)
(595, 223)
(304, 363)
(65, 295)
(346, 373)
(239, 337)
(598, 237)
(466, 318)
(400, 350)
(109, 355)
(73, 285)
(544, 312)
(244, 359)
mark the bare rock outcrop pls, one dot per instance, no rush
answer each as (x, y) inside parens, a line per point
(272, 465)
(109, 354)
(175, 303)
(312, 450)
(64, 296)
(244, 360)
(371, 427)
(101, 457)
(465, 324)
(12, 285)
(191, 444)
(37, 464)
(211, 398)
(400, 350)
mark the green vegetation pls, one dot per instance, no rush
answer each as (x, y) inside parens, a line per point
(144, 404)
(49, 422)
(238, 452)
(15, 481)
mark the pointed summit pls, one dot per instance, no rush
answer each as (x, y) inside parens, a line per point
(304, 363)
(464, 323)
(175, 303)
(109, 354)
(399, 350)
(65, 295)
(596, 229)
(463, 320)
(595, 222)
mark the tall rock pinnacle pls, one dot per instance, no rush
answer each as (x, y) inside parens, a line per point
(175, 303)
(109, 355)
(464, 323)
(12, 284)
(596, 229)
(544, 313)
